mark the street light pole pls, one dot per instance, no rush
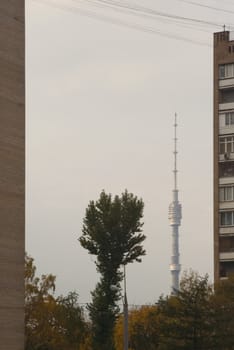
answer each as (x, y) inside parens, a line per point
(125, 309)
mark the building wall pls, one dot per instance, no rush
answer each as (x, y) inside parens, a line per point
(12, 174)
(223, 96)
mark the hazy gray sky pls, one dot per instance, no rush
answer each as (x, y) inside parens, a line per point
(101, 99)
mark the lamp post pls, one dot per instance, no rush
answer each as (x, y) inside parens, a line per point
(125, 310)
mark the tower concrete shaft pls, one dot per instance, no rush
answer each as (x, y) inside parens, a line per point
(175, 219)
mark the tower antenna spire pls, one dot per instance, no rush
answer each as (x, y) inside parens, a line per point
(175, 219)
(175, 153)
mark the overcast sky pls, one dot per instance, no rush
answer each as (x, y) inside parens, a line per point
(101, 98)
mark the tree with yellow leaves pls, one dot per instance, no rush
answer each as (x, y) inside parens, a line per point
(51, 323)
(143, 329)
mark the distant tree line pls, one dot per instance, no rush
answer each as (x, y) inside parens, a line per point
(198, 317)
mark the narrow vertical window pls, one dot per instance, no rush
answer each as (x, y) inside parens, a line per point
(222, 148)
(222, 71)
(228, 141)
(229, 218)
(221, 194)
(227, 118)
(228, 193)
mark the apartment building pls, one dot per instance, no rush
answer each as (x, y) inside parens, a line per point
(12, 174)
(223, 154)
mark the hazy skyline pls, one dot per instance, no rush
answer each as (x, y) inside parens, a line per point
(101, 99)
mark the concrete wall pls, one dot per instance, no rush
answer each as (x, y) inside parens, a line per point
(12, 174)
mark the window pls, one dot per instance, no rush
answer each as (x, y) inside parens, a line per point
(226, 268)
(226, 169)
(226, 144)
(226, 193)
(222, 71)
(226, 95)
(227, 218)
(226, 71)
(226, 244)
(229, 118)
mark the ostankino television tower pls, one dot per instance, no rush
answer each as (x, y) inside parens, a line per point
(174, 219)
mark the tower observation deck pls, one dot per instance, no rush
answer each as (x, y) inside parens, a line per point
(175, 215)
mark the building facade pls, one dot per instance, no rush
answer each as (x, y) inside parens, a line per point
(223, 155)
(12, 174)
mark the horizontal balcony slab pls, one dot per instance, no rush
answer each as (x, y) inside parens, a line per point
(226, 130)
(229, 230)
(223, 278)
(225, 83)
(226, 180)
(226, 256)
(226, 205)
(226, 106)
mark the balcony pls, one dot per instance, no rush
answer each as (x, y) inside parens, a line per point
(227, 256)
(225, 83)
(226, 169)
(226, 205)
(224, 130)
(226, 122)
(226, 268)
(228, 230)
(226, 156)
(226, 180)
(226, 106)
